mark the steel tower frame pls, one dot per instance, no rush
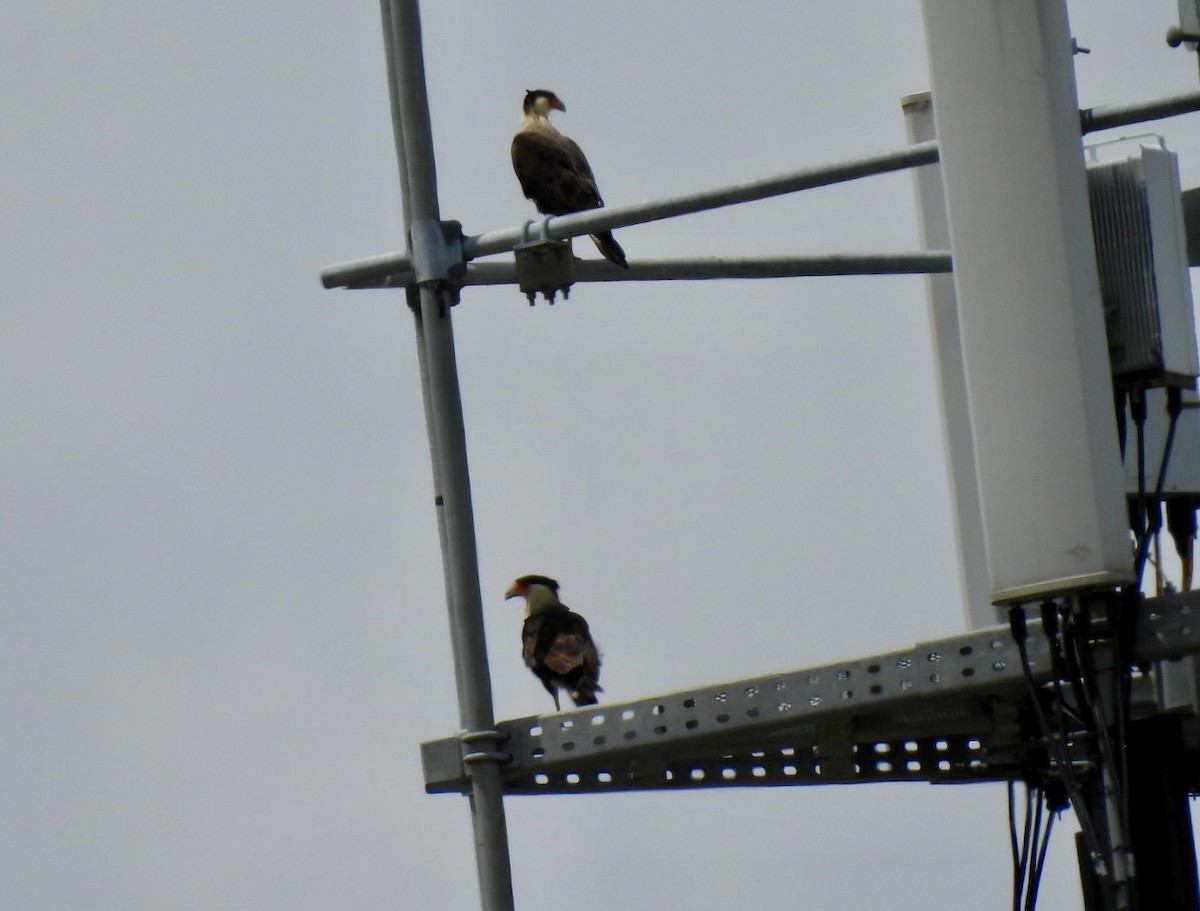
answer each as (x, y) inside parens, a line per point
(938, 711)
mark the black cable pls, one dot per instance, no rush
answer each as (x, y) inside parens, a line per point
(1112, 755)
(1018, 865)
(1126, 629)
(1060, 631)
(1059, 753)
(1025, 854)
(1174, 408)
(1028, 840)
(1031, 860)
(1062, 670)
(1043, 803)
(1119, 397)
(1035, 877)
(1137, 411)
(1084, 708)
(1095, 707)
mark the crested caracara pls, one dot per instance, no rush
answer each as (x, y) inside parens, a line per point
(553, 170)
(555, 642)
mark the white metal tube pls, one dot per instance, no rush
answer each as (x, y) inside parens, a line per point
(414, 300)
(579, 223)
(1034, 349)
(952, 380)
(916, 155)
(706, 267)
(363, 273)
(1107, 116)
(368, 273)
(732, 267)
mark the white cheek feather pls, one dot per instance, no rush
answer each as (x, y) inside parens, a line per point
(536, 123)
(538, 598)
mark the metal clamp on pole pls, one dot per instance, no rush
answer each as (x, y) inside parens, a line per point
(437, 252)
(493, 736)
(447, 763)
(544, 265)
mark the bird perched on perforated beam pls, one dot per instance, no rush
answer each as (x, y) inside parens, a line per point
(553, 170)
(556, 643)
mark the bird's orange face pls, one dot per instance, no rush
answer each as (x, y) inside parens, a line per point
(517, 589)
(554, 102)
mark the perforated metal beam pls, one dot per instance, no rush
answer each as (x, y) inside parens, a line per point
(942, 711)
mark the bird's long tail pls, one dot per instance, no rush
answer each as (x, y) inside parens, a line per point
(610, 250)
(586, 693)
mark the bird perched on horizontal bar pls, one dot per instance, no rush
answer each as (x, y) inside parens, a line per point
(553, 170)
(555, 642)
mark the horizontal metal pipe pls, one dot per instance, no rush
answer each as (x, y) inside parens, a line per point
(361, 272)
(374, 272)
(1106, 116)
(709, 267)
(716, 267)
(579, 223)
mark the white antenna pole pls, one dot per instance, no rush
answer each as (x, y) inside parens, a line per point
(1034, 350)
(952, 380)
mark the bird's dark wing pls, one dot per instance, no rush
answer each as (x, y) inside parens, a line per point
(554, 173)
(560, 643)
(580, 164)
(572, 648)
(531, 634)
(558, 648)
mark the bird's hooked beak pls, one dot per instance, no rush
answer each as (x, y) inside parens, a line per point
(557, 104)
(514, 590)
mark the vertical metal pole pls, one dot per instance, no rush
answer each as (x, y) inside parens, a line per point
(452, 493)
(412, 294)
(952, 379)
(1160, 815)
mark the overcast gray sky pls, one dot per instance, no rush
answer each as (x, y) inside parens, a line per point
(223, 632)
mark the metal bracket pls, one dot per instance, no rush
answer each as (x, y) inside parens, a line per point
(437, 252)
(447, 763)
(471, 755)
(544, 265)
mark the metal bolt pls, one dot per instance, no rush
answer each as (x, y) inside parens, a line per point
(1176, 36)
